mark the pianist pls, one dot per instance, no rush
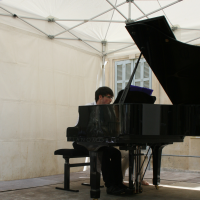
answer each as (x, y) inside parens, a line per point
(111, 157)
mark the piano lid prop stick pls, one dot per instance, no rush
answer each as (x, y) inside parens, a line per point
(125, 92)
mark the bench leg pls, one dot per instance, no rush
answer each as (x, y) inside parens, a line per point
(67, 177)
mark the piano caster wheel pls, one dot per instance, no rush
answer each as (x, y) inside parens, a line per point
(157, 187)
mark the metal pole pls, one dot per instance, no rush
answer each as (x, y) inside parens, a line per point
(116, 9)
(78, 38)
(165, 13)
(139, 8)
(14, 15)
(158, 10)
(103, 61)
(103, 71)
(129, 10)
(191, 29)
(6, 10)
(192, 40)
(90, 19)
(121, 42)
(6, 15)
(32, 26)
(120, 49)
(21, 16)
(110, 22)
(24, 17)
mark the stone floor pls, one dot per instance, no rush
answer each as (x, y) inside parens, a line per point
(174, 185)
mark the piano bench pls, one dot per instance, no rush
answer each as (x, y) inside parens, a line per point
(67, 154)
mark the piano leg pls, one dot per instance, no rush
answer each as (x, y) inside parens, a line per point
(156, 152)
(95, 169)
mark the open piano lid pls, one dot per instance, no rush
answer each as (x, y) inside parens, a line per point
(175, 64)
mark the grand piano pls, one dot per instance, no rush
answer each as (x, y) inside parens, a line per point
(136, 121)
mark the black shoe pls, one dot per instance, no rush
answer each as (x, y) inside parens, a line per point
(127, 189)
(115, 190)
(123, 186)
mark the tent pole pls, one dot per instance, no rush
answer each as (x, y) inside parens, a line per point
(119, 49)
(110, 21)
(84, 42)
(32, 26)
(191, 29)
(165, 14)
(129, 10)
(62, 38)
(78, 37)
(16, 16)
(103, 70)
(103, 61)
(115, 7)
(20, 16)
(7, 15)
(42, 19)
(192, 40)
(158, 9)
(90, 19)
(7, 10)
(120, 42)
(140, 9)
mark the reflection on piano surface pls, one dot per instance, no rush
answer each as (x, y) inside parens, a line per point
(137, 121)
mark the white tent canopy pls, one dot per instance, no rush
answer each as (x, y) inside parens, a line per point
(87, 23)
(51, 57)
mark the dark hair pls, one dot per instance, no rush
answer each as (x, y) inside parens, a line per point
(103, 91)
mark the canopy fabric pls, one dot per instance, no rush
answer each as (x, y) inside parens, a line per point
(74, 16)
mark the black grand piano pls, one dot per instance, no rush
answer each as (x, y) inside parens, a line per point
(134, 121)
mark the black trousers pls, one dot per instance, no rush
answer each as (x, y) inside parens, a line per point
(110, 165)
